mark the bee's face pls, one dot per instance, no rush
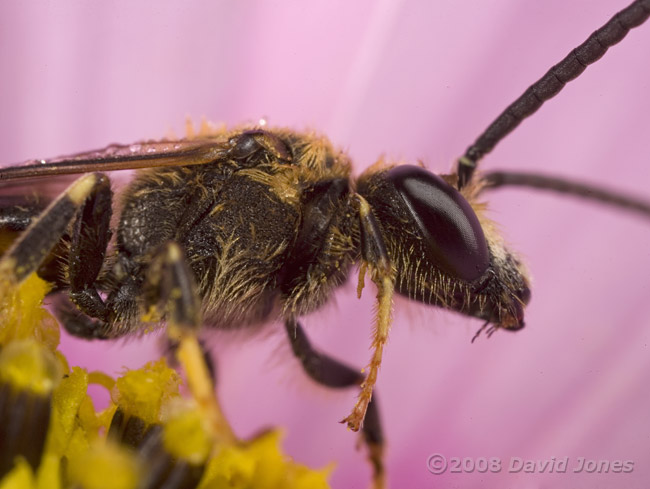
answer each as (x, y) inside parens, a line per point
(415, 81)
(443, 252)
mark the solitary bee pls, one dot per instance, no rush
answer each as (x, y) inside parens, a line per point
(236, 227)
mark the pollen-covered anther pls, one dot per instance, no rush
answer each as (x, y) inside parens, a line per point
(105, 465)
(29, 372)
(141, 396)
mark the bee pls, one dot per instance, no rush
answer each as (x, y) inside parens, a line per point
(252, 224)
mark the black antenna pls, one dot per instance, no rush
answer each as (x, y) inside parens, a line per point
(551, 83)
(587, 191)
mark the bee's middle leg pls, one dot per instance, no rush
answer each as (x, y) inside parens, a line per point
(329, 372)
(170, 292)
(169, 289)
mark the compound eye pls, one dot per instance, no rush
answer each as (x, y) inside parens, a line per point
(451, 233)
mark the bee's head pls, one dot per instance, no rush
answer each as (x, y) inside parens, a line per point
(445, 252)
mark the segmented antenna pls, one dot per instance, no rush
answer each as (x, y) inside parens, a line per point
(551, 83)
(612, 198)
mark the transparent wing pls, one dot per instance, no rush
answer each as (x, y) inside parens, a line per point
(148, 154)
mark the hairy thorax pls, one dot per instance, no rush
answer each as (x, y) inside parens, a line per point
(266, 236)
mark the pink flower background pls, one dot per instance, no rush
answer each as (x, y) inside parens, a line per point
(412, 81)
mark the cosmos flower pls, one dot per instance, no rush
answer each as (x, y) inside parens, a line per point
(412, 81)
(149, 436)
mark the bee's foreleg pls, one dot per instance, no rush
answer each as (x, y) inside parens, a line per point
(375, 258)
(331, 373)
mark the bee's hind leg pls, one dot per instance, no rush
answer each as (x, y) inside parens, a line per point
(34, 245)
(331, 373)
(86, 205)
(89, 240)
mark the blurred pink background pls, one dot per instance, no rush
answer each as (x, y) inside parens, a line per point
(412, 81)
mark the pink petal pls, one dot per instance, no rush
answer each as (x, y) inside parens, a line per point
(411, 80)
